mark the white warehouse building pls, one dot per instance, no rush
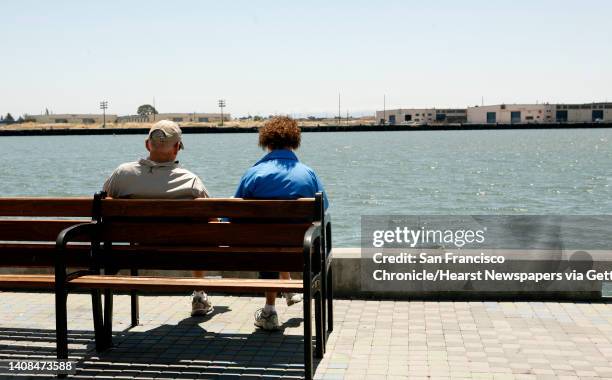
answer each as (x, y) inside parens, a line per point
(500, 114)
(583, 113)
(540, 113)
(71, 118)
(407, 116)
(194, 117)
(511, 114)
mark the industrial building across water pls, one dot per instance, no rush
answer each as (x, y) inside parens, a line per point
(500, 114)
(486, 114)
(193, 117)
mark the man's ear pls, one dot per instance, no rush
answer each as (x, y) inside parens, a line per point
(147, 145)
(177, 147)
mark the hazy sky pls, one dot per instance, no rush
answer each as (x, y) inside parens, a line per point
(268, 57)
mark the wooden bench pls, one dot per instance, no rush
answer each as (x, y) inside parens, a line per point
(265, 235)
(262, 235)
(28, 232)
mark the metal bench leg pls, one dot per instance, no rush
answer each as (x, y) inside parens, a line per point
(308, 366)
(320, 332)
(307, 333)
(61, 309)
(329, 281)
(324, 286)
(108, 318)
(134, 301)
(96, 307)
(320, 304)
(61, 322)
(330, 300)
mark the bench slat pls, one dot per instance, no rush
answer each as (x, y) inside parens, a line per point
(243, 258)
(275, 259)
(155, 284)
(25, 206)
(210, 208)
(165, 284)
(232, 234)
(41, 255)
(34, 230)
(18, 281)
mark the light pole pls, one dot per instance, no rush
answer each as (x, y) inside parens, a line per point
(103, 107)
(221, 105)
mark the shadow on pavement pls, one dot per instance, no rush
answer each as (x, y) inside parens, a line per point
(181, 351)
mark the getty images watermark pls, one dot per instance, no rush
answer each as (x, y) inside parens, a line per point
(413, 253)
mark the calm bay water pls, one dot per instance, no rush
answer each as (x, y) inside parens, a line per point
(369, 173)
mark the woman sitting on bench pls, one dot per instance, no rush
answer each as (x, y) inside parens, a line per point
(278, 175)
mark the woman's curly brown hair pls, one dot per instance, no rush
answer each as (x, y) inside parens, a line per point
(280, 132)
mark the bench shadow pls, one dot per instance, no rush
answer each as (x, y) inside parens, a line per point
(183, 350)
(198, 318)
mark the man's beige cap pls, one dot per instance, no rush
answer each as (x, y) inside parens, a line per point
(171, 132)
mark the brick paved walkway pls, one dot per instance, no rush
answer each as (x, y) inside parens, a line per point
(372, 339)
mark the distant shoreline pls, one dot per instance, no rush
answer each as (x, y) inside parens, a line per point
(327, 128)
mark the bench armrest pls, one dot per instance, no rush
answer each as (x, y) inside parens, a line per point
(62, 240)
(327, 234)
(69, 233)
(312, 233)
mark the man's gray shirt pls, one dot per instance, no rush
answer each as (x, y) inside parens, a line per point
(149, 179)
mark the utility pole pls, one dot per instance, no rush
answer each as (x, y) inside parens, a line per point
(103, 107)
(154, 109)
(339, 115)
(221, 105)
(385, 109)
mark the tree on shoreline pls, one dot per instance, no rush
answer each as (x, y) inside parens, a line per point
(146, 110)
(8, 119)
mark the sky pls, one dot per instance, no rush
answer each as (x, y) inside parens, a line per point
(281, 57)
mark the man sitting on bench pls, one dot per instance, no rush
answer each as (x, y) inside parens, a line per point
(160, 176)
(278, 175)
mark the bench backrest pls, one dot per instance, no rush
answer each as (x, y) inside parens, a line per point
(161, 234)
(29, 227)
(192, 234)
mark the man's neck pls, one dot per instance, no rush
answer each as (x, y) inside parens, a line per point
(156, 158)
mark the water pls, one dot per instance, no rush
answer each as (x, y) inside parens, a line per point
(416, 173)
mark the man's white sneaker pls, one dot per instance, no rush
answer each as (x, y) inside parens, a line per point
(293, 298)
(266, 320)
(200, 304)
